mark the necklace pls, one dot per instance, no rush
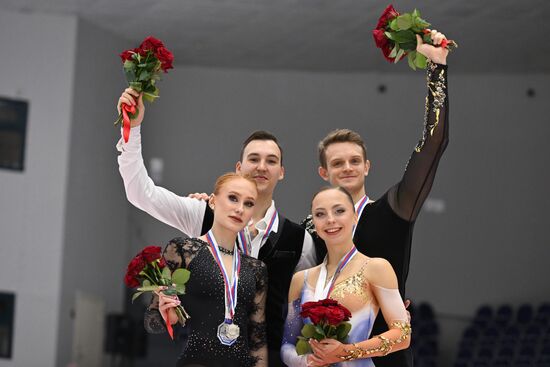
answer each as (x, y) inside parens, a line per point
(225, 251)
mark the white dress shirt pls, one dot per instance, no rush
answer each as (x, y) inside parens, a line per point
(183, 213)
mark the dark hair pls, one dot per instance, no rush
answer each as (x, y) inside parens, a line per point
(338, 188)
(261, 135)
(339, 136)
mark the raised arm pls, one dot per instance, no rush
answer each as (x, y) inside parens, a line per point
(408, 196)
(183, 213)
(257, 338)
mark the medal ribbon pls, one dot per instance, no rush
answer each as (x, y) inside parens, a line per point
(246, 243)
(321, 291)
(230, 289)
(362, 203)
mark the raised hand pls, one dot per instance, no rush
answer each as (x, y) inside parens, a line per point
(199, 196)
(437, 55)
(132, 98)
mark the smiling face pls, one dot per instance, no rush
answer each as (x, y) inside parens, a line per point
(261, 159)
(233, 203)
(345, 166)
(333, 216)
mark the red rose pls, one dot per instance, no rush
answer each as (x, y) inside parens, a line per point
(151, 43)
(162, 263)
(335, 315)
(136, 266)
(127, 55)
(388, 14)
(380, 38)
(166, 58)
(328, 302)
(316, 314)
(130, 281)
(150, 253)
(382, 43)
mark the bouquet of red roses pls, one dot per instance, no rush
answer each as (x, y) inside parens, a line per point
(328, 321)
(395, 34)
(142, 68)
(148, 272)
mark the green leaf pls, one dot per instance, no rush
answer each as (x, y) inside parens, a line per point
(404, 36)
(181, 276)
(180, 289)
(420, 23)
(129, 65)
(308, 330)
(410, 59)
(400, 54)
(167, 274)
(146, 283)
(409, 46)
(136, 295)
(404, 21)
(319, 330)
(302, 347)
(136, 86)
(415, 13)
(393, 52)
(343, 330)
(390, 35)
(149, 288)
(170, 291)
(149, 97)
(420, 61)
(145, 75)
(393, 25)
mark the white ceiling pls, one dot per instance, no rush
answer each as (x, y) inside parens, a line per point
(316, 35)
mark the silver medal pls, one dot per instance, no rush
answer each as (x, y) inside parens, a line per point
(228, 333)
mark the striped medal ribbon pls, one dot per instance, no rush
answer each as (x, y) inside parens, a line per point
(228, 332)
(245, 242)
(323, 291)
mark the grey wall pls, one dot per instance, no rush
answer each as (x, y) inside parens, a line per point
(489, 243)
(37, 65)
(95, 244)
(65, 225)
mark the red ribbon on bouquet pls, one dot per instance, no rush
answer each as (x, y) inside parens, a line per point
(126, 120)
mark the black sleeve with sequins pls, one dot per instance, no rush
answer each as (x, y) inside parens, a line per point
(257, 338)
(177, 253)
(406, 198)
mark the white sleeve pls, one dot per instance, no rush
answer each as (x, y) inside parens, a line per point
(391, 304)
(308, 259)
(183, 213)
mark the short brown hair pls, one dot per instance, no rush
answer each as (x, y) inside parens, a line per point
(339, 136)
(229, 176)
(261, 135)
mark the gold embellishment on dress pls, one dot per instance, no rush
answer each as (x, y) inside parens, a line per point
(352, 285)
(385, 347)
(405, 328)
(437, 90)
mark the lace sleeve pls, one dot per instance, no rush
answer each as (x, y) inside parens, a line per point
(178, 253)
(407, 197)
(293, 327)
(257, 339)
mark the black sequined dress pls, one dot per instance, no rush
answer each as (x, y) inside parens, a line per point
(204, 301)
